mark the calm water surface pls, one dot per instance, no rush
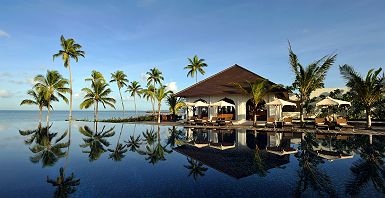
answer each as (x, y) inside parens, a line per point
(110, 160)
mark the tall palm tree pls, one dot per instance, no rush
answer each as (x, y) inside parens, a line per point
(96, 77)
(70, 49)
(135, 89)
(64, 185)
(154, 76)
(257, 90)
(366, 91)
(121, 80)
(195, 65)
(53, 85)
(160, 94)
(175, 104)
(37, 99)
(310, 78)
(96, 141)
(148, 94)
(99, 92)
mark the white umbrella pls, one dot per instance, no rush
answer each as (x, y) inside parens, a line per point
(328, 101)
(280, 103)
(201, 104)
(190, 104)
(222, 104)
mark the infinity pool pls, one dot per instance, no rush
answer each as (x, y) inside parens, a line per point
(133, 160)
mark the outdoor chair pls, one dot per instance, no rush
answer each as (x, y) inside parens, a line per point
(320, 123)
(270, 122)
(343, 123)
(213, 121)
(288, 122)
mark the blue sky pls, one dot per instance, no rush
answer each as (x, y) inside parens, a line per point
(137, 35)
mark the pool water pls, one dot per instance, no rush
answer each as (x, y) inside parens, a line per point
(82, 159)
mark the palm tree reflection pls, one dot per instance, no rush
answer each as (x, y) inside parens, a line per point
(196, 168)
(370, 167)
(309, 174)
(46, 147)
(155, 151)
(96, 141)
(117, 154)
(174, 136)
(64, 185)
(134, 142)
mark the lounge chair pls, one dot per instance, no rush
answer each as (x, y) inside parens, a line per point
(191, 120)
(288, 122)
(343, 123)
(270, 122)
(213, 121)
(321, 123)
(202, 121)
(226, 121)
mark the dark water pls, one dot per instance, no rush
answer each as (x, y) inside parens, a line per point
(105, 162)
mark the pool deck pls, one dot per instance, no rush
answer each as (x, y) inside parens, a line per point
(308, 129)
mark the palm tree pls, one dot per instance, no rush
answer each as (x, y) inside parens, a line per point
(51, 85)
(175, 135)
(195, 65)
(47, 149)
(96, 77)
(310, 78)
(160, 94)
(70, 49)
(117, 154)
(154, 76)
(135, 90)
(37, 99)
(175, 104)
(148, 94)
(64, 185)
(96, 141)
(196, 168)
(99, 92)
(366, 91)
(34, 135)
(258, 90)
(121, 80)
(155, 153)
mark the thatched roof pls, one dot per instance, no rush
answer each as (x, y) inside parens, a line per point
(222, 83)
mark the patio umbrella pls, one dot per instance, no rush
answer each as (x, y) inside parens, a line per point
(222, 104)
(279, 103)
(201, 104)
(328, 101)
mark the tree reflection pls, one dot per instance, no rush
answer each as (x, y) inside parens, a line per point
(96, 141)
(117, 154)
(259, 162)
(134, 142)
(64, 185)
(46, 146)
(196, 168)
(309, 174)
(154, 152)
(174, 136)
(370, 168)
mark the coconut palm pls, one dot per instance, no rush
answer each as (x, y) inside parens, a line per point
(117, 154)
(148, 94)
(96, 141)
(37, 99)
(70, 49)
(159, 95)
(154, 76)
(64, 185)
(53, 85)
(310, 78)
(195, 65)
(258, 90)
(175, 104)
(47, 148)
(96, 77)
(196, 168)
(366, 91)
(99, 92)
(135, 90)
(121, 81)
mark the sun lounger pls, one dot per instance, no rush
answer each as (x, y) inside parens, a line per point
(213, 121)
(270, 122)
(343, 123)
(288, 122)
(222, 145)
(332, 155)
(321, 123)
(226, 121)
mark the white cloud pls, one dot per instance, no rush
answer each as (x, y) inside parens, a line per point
(3, 33)
(143, 77)
(5, 93)
(79, 95)
(172, 87)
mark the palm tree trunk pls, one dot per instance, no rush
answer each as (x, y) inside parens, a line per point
(48, 110)
(121, 99)
(368, 118)
(196, 76)
(153, 105)
(41, 114)
(69, 69)
(158, 112)
(136, 113)
(96, 111)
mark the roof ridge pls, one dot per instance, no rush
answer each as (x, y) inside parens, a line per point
(204, 80)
